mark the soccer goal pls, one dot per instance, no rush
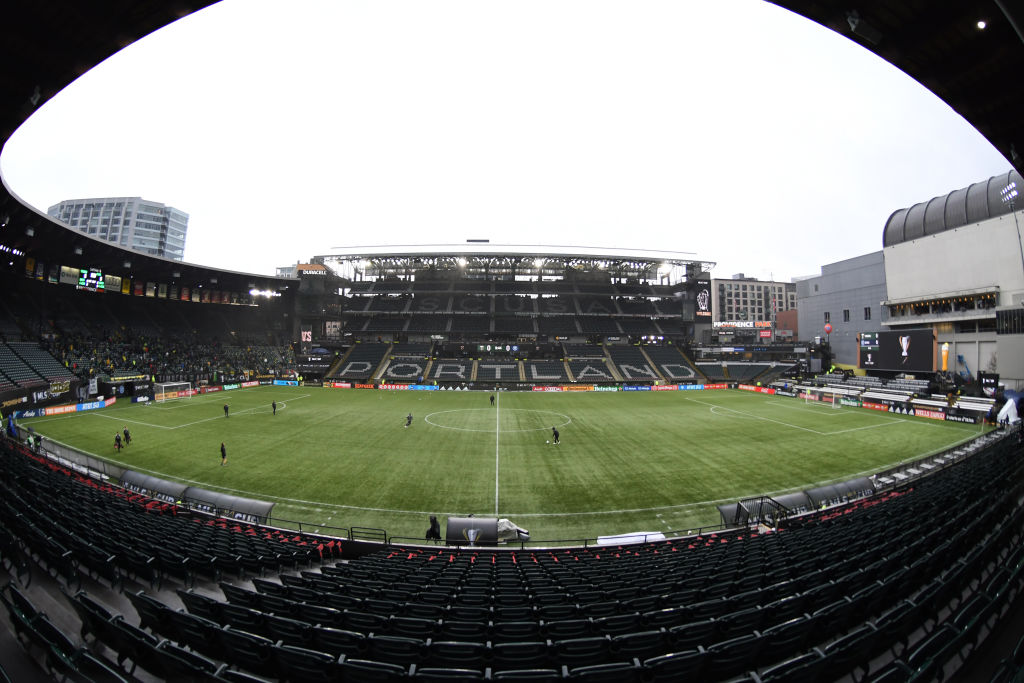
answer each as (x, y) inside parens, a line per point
(170, 391)
(828, 398)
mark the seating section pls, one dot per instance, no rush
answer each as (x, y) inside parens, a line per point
(545, 371)
(672, 364)
(892, 587)
(591, 370)
(497, 370)
(632, 364)
(452, 370)
(362, 361)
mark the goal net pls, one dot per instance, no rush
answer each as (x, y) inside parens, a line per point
(170, 391)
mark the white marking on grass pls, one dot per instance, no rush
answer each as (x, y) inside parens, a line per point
(426, 419)
(741, 414)
(497, 440)
(247, 411)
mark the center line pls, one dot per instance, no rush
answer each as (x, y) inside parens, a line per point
(497, 438)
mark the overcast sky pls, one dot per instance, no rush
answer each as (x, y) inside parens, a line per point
(734, 130)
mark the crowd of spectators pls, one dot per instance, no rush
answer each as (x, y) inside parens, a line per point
(167, 358)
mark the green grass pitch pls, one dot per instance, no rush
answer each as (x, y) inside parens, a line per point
(627, 461)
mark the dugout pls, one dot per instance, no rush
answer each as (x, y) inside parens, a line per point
(842, 492)
(472, 531)
(232, 507)
(226, 505)
(154, 487)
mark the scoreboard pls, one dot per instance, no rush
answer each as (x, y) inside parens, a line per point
(909, 351)
(90, 278)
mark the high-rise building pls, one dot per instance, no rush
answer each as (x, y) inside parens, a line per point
(745, 308)
(131, 222)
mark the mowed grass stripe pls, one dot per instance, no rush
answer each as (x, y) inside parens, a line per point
(624, 459)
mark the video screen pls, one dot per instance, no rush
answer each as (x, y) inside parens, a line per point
(909, 351)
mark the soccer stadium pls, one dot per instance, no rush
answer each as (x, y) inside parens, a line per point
(491, 462)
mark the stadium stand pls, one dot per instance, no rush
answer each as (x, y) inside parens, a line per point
(672, 364)
(743, 372)
(819, 594)
(497, 370)
(591, 371)
(557, 326)
(632, 364)
(362, 361)
(714, 371)
(451, 370)
(514, 325)
(545, 371)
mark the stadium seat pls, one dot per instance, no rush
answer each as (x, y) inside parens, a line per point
(581, 651)
(201, 605)
(640, 645)
(676, 666)
(395, 649)
(152, 613)
(247, 650)
(339, 641)
(528, 675)
(804, 668)
(513, 631)
(691, 635)
(369, 671)
(199, 634)
(731, 657)
(177, 663)
(612, 672)
(457, 654)
(520, 655)
(301, 664)
(288, 631)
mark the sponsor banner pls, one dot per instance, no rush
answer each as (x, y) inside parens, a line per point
(634, 387)
(600, 388)
(286, 383)
(849, 402)
(578, 387)
(395, 387)
(812, 397)
(742, 324)
(94, 405)
(338, 385)
(665, 387)
(765, 334)
(784, 392)
(691, 387)
(961, 418)
(14, 401)
(546, 388)
(720, 385)
(874, 406)
(266, 382)
(366, 386)
(422, 387)
(250, 384)
(229, 387)
(760, 390)
(901, 410)
(933, 414)
(140, 399)
(205, 390)
(127, 378)
(61, 410)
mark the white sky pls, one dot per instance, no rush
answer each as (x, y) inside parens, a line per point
(732, 129)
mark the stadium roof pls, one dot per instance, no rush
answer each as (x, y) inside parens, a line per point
(973, 204)
(47, 45)
(484, 249)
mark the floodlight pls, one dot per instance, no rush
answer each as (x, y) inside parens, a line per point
(982, 24)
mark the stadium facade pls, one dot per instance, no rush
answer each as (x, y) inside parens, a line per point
(955, 264)
(132, 222)
(848, 295)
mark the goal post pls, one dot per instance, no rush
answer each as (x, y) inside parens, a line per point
(170, 391)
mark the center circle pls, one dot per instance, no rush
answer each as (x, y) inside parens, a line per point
(484, 420)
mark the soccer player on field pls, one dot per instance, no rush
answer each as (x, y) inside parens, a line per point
(554, 435)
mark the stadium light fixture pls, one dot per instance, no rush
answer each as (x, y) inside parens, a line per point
(982, 24)
(538, 263)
